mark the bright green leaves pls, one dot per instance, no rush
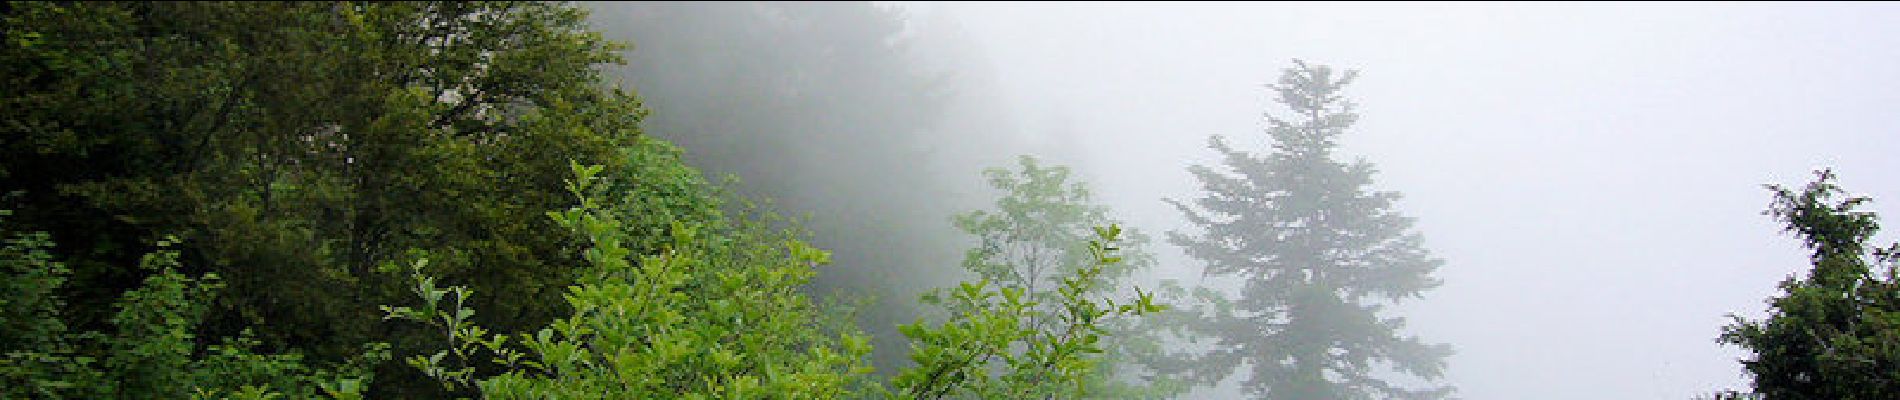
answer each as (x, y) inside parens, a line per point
(1042, 317)
(716, 312)
(445, 310)
(1000, 342)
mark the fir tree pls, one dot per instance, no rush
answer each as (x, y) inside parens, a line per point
(1321, 253)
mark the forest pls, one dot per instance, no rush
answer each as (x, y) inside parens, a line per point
(849, 200)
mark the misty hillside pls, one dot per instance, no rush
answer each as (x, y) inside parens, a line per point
(866, 200)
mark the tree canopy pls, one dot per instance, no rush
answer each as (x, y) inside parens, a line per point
(1834, 332)
(332, 183)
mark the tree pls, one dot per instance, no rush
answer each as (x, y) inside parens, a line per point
(1003, 341)
(711, 310)
(1834, 333)
(296, 146)
(1030, 246)
(1320, 253)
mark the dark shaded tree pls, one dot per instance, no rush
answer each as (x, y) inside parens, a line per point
(1319, 252)
(296, 147)
(150, 349)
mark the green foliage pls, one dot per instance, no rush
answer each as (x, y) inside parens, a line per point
(1834, 333)
(1032, 324)
(715, 313)
(655, 190)
(152, 351)
(1321, 254)
(999, 342)
(303, 150)
(296, 146)
(1041, 226)
(714, 310)
(39, 355)
(822, 107)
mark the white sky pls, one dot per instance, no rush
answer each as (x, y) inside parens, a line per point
(1590, 172)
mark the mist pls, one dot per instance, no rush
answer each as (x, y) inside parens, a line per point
(897, 200)
(877, 200)
(1590, 174)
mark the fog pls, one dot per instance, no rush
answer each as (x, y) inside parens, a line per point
(949, 200)
(1590, 173)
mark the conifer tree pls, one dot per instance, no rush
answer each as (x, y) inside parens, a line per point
(1832, 333)
(1320, 252)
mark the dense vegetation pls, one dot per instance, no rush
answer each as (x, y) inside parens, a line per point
(455, 199)
(293, 148)
(329, 185)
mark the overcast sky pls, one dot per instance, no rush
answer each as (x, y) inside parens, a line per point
(1590, 173)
